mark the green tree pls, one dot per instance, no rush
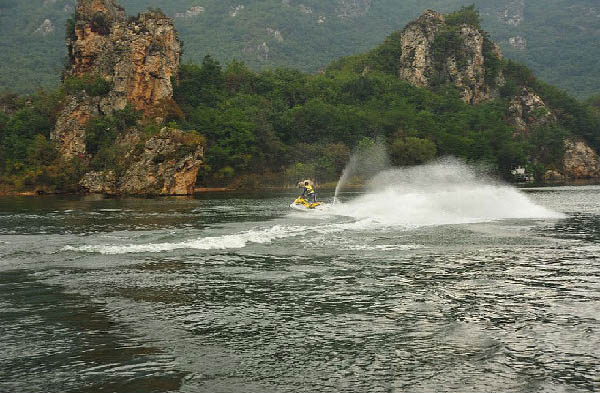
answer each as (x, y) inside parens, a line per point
(465, 16)
(547, 145)
(412, 151)
(200, 85)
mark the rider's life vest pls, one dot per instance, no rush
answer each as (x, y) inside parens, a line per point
(309, 189)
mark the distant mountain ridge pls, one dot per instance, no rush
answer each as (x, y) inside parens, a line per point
(557, 38)
(120, 123)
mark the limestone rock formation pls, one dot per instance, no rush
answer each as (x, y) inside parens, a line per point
(115, 62)
(276, 34)
(70, 124)
(436, 49)
(352, 8)
(416, 62)
(580, 161)
(234, 11)
(514, 12)
(518, 42)
(166, 164)
(47, 27)
(434, 53)
(100, 183)
(191, 13)
(528, 110)
(136, 56)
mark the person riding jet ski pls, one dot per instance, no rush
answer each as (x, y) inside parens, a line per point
(308, 192)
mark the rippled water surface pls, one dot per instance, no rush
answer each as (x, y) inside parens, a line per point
(495, 290)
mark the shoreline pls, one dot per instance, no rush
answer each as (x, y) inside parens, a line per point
(325, 187)
(202, 190)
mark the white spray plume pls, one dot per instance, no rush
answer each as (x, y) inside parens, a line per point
(447, 191)
(366, 162)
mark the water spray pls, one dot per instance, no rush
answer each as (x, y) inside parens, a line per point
(369, 158)
(443, 192)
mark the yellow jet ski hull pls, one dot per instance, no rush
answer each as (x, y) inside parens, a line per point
(303, 202)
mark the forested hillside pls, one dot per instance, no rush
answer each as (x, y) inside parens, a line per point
(276, 126)
(556, 38)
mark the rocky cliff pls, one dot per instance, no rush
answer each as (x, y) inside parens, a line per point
(528, 110)
(115, 63)
(435, 52)
(514, 12)
(135, 57)
(164, 164)
(437, 49)
(581, 161)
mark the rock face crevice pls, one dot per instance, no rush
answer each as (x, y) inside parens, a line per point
(69, 131)
(434, 53)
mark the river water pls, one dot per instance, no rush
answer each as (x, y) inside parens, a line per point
(478, 288)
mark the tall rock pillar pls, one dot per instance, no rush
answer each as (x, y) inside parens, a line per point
(136, 57)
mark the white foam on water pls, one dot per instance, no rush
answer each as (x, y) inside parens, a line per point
(382, 247)
(233, 241)
(442, 193)
(258, 235)
(445, 192)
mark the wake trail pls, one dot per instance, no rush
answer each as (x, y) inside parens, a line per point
(231, 241)
(257, 235)
(447, 192)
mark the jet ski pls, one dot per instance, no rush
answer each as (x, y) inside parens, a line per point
(302, 203)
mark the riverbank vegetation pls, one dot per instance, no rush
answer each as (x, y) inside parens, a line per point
(276, 126)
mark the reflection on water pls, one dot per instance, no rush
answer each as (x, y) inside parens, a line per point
(333, 303)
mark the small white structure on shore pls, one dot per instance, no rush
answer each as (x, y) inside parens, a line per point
(520, 174)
